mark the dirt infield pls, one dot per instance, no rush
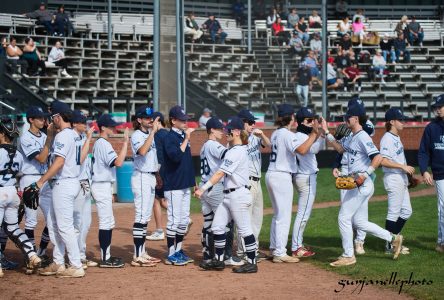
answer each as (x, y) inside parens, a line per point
(273, 281)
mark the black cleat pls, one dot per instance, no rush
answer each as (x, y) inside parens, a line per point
(46, 261)
(112, 262)
(212, 265)
(247, 268)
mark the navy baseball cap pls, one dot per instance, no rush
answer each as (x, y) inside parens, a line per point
(78, 117)
(354, 101)
(214, 123)
(303, 113)
(144, 112)
(36, 112)
(235, 123)
(285, 110)
(355, 111)
(438, 101)
(245, 114)
(58, 107)
(107, 121)
(177, 112)
(394, 113)
(158, 114)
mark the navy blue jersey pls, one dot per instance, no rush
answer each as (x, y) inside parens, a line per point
(431, 149)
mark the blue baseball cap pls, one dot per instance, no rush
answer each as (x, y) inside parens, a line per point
(245, 114)
(107, 121)
(355, 100)
(438, 101)
(158, 114)
(78, 117)
(214, 123)
(303, 113)
(235, 123)
(394, 113)
(177, 112)
(36, 112)
(355, 111)
(144, 112)
(58, 107)
(285, 110)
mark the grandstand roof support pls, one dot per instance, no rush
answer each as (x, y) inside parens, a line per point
(249, 26)
(180, 55)
(324, 58)
(156, 54)
(110, 28)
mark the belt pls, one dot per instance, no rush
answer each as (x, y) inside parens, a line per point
(152, 173)
(233, 189)
(254, 178)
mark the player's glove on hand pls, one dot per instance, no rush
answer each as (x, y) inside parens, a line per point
(31, 196)
(341, 131)
(345, 183)
(413, 181)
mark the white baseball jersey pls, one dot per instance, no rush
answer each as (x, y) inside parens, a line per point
(67, 144)
(344, 160)
(235, 166)
(144, 163)
(392, 148)
(30, 146)
(17, 164)
(307, 164)
(283, 146)
(103, 161)
(211, 156)
(359, 149)
(254, 155)
(85, 167)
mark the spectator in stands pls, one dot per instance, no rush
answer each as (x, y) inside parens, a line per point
(279, 32)
(359, 30)
(3, 47)
(359, 14)
(402, 26)
(293, 19)
(416, 32)
(386, 45)
(342, 60)
(238, 12)
(343, 27)
(378, 65)
(62, 24)
(281, 10)
(57, 58)
(44, 17)
(333, 81)
(272, 17)
(312, 63)
(316, 44)
(303, 85)
(351, 76)
(341, 9)
(14, 57)
(314, 21)
(32, 55)
(302, 30)
(214, 28)
(401, 48)
(192, 28)
(345, 44)
(297, 45)
(206, 115)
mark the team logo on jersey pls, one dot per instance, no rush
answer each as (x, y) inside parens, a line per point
(371, 145)
(59, 146)
(440, 146)
(397, 144)
(227, 162)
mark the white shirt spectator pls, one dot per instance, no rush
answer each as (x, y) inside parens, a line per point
(55, 54)
(316, 45)
(331, 72)
(378, 61)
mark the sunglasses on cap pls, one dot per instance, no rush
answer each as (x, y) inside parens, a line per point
(249, 122)
(52, 117)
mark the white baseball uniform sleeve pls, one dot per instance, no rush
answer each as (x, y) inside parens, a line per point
(307, 164)
(392, 148)
(144, 163)
(254, 155)
(85, 167)
(211, 156)
(360, 148)
(235, 166)
(283, 146)
(17, 164)
(103, 169)
(68, 144)
(30, 146)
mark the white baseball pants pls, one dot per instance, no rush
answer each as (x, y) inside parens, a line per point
(440, 192)
(143, 186)
(102, 193)
(82, 216)
(178, 211)
(30, 214)
(399, 204)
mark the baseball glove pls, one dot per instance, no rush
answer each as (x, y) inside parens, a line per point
(345, 183)
(413, 181)
(31, 196)
(341, 131)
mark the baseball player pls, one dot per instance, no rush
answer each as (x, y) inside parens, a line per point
(103, 174)
(256, 140)
(236, 202)
(82, 208)
(305, 179)
(11, 161)
(63, 173)
(431, 152)
(178, 178)
(143, 181)
(35, 146)
(363, 159)
(285, 145)
(395, 168)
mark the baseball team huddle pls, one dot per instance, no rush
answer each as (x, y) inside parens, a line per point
(51, 167)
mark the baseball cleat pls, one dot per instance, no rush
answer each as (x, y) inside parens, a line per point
(112, 262)
(359, 248)
(156, 236)
(142, 262)
(32, 264)
(7, 264)
(184, 257)
(344, 261)
(175, 260)
(86, 263)
(285, 259)
(213, 264)
(52, 269)
(303, 252)
(234, 261)
(247, 268)
(46, 260)
(397, 245)
(440, 248)
(151, 259)
(71, 272)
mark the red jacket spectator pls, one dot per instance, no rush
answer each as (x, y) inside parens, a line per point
(277, 27)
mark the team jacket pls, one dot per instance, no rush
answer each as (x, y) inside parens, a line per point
(431, 149)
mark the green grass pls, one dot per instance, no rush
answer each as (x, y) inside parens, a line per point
(420, 232)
